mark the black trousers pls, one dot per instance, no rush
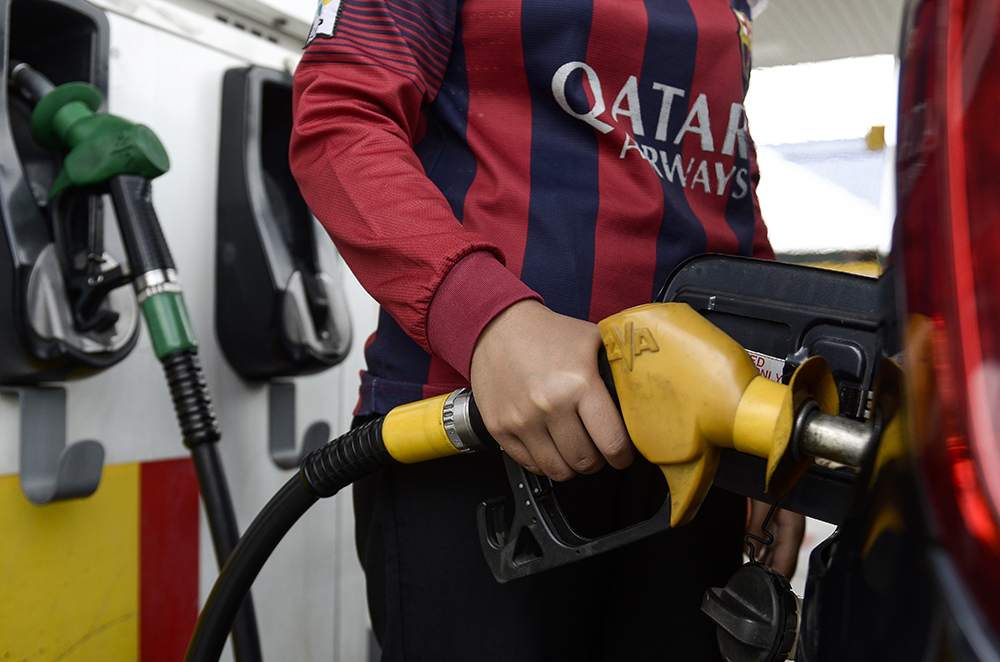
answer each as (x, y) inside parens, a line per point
(432, 597)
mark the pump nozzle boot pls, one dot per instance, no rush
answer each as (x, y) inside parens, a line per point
(687, 390)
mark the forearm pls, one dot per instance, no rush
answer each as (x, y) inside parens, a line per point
(352, 155)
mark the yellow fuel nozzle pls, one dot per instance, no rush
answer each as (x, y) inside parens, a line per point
(688, 390)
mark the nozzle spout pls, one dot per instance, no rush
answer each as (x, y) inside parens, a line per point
(33, 84)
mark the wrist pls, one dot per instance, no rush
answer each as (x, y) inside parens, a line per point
(477, 289)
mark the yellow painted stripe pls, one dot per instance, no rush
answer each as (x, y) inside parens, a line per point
(69, 573)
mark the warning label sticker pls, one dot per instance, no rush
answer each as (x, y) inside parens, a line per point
(768, 366)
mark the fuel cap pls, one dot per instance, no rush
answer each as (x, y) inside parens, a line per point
(755, 615)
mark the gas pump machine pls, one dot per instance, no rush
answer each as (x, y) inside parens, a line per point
(79, 226)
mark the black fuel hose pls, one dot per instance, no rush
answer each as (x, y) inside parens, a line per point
(323, 473)
(159, 293)
(166, 316)
(261, 537)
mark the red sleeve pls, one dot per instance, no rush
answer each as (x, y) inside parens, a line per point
(357, 102)
(463, 306)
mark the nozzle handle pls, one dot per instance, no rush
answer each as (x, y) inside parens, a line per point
(476, 421)
(537, 516)
(144, 241)
(483, 434)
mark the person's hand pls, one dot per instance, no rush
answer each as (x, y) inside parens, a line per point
(534, 374)
(787, 527)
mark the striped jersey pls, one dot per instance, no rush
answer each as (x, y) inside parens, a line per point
(466, 154)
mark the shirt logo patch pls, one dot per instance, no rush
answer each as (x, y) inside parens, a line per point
(661, 145)
(325, 23)
(745, 32)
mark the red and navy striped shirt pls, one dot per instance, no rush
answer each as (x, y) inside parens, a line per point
(467, 154)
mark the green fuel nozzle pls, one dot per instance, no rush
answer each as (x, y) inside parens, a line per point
(104, 149)
(98, 146)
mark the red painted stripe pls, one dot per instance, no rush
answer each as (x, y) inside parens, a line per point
(168, 559)
(498, 90)
(630, 190)
(717, 74)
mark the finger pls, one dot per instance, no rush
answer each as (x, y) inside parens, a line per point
(528, 443)
(537, 453)
(783, 559)
(575, 445)
(761, 552)
(519, 454)
(605, 427)
(791, 529)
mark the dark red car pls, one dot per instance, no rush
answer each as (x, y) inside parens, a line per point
(915, 575)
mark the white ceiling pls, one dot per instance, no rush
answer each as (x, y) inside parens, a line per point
(793, 31)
